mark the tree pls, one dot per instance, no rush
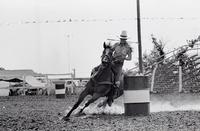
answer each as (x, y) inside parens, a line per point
(157, 55)
(158, 51)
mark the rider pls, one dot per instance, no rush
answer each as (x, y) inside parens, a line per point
(122, 51)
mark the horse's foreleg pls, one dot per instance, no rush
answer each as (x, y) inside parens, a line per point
(110, 99)
(94, 98)
(80, 99)
(102, 104)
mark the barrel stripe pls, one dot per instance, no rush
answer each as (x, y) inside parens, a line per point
(59, 86)
(60, 91)
(137, 109)
(136, 96)
(135, 83)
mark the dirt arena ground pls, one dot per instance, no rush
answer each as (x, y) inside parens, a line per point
(22, 113)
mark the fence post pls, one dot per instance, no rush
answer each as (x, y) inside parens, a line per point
(153, 78)
(180, 79)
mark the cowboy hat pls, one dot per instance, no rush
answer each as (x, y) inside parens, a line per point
(123, 35)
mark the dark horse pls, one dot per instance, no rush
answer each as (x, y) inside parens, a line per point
(101, 87)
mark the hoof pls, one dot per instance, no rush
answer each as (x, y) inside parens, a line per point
(65, 118)
(80, 114)
(110, 104)
(102, 104)
(110, 101)
(59, 114)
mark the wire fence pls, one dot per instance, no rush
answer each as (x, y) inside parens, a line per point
(70, 20)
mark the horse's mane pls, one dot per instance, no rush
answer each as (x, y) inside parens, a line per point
(107, 45)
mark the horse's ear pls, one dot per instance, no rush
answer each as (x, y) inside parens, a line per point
(104, 45)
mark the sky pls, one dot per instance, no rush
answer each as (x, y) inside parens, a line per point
(37, 34)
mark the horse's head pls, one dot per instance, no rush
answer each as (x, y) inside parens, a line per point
(106, 57)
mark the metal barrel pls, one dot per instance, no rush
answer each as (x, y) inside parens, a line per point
(60, 89)
(136, 96)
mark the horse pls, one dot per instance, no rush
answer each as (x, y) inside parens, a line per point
(98, 87)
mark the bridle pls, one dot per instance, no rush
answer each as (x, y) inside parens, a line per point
(106, 58)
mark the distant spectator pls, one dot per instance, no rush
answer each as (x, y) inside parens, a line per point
(70, 85)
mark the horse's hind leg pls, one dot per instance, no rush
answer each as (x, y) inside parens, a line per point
(80, 99)
(94, 98)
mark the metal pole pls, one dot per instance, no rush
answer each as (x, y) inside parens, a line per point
(139, 37)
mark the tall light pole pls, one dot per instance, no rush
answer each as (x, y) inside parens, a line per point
(74, 72)
(68, 52)
(139, 37)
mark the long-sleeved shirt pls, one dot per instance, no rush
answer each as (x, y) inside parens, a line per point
(121, 51)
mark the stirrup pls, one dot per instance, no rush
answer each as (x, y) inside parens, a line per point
(116, 84)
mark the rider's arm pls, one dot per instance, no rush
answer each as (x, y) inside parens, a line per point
(129, 55)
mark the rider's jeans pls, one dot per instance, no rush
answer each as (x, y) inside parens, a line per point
(117, 69)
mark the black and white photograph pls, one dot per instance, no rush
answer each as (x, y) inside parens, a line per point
(99, 65)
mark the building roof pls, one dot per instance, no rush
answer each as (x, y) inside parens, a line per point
(17, 73)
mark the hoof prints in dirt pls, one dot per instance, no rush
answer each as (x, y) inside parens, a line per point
(36, 113)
